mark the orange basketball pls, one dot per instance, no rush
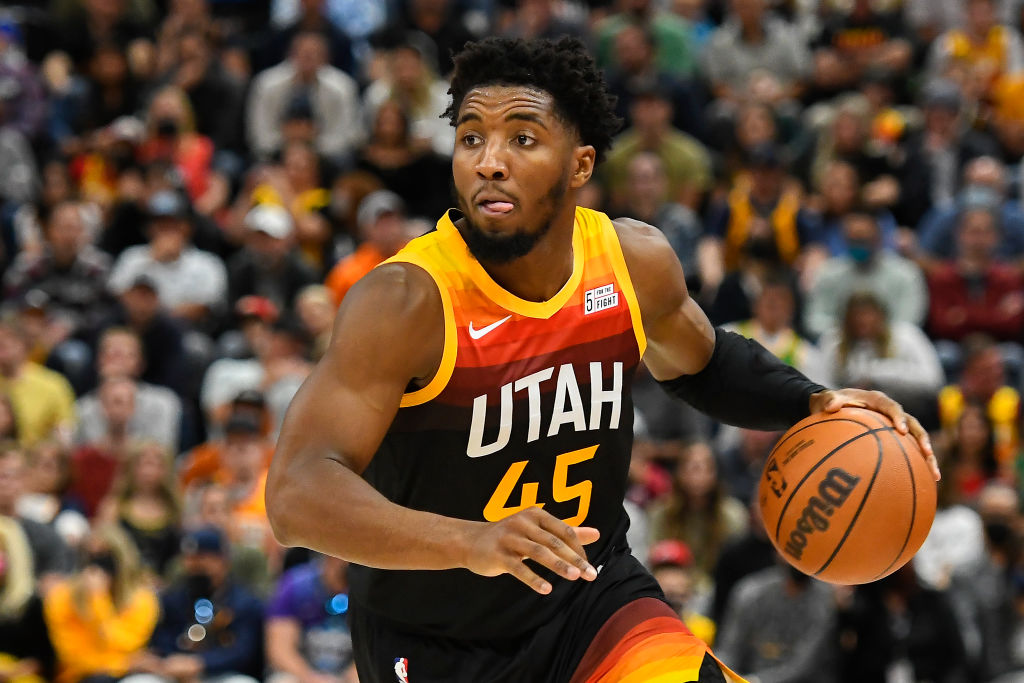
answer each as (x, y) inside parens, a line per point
(845, 497)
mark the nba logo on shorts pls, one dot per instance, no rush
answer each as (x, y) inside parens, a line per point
(402, 669)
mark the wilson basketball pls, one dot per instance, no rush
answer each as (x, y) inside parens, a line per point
(846, 498)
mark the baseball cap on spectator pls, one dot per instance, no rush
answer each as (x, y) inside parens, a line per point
(270, 220)
(377, 204)
(127, 129)
(670, 553)
(765, 155)
(34, 300)
(299, 108)
(259, 307)
(978, 197)
(242, 423)
(651, 89)
(250, 397)
(144, 281)
(942, 94)
(167, 204)
(204, 540)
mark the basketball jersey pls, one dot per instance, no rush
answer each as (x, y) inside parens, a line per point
(531, 406)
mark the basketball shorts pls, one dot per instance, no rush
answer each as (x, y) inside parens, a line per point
(617, 628)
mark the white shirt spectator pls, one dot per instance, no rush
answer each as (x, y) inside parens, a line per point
(195, 277)
(157, 417)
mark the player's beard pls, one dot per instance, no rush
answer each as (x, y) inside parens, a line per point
(505, 248)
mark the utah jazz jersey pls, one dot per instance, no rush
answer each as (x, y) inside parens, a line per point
(531, 406)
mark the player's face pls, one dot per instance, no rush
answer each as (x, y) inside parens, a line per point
(514, 165)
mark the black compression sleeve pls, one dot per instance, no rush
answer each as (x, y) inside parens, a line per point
(745, 385)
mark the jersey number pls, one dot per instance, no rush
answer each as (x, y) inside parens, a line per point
(497, 507)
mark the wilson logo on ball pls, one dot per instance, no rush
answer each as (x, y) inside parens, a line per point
(833, 491)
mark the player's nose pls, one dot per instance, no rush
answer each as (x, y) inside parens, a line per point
(492, 163)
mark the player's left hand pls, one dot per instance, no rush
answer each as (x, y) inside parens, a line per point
(832, 400)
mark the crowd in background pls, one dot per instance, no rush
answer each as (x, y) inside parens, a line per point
(188, 189)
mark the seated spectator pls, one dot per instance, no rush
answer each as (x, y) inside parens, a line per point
(741, 464)
(124, 407)
(970, 460)
(974, 293)
(899, 624)
(841, 193)
(311, 17)
(268, 265)
(144, 502)
(410, 80)
(29, 220)
(43, 401)
(871, 351)
(956, 539)
(854, 40)
(333, 95)
(25, 99)
(866, 267)
(671, 564)
(101, 619)
(675, 50)
(405, 164)
(684, 159)
(698, 512)
(778, 626)
(103, 93)
(70, 272)
(381, 220)
(26, 653)
(307, 636)
(983, 380)
(224, 620)
(171, 138)
(47, 500)
(243, 472)
(315, 309)
(754, 50)
(772, 326)
(8, 422)
(190, 283)
(740, 558)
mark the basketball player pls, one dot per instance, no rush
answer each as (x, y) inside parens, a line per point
(466, 437)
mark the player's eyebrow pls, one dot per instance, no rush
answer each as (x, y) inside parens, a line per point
(525, 116)
(468, 116)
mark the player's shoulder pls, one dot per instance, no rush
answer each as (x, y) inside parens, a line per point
(397, 292)
(653, 265)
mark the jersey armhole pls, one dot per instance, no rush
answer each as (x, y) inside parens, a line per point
(622, 275)
(440, 379)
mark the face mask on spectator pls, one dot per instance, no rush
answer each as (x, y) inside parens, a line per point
(763, 248)
(198, 585)
(167, 128)
(860, 251)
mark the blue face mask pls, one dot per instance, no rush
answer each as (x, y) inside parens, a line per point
(860, 252)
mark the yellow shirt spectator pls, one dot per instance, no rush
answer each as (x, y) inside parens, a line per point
(99, 639)
(43, 402)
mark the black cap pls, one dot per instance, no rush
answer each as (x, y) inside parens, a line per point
(243, 423)
(765, 155)
(250, 397)
(300, 108)
(145, 281)
(207, 539)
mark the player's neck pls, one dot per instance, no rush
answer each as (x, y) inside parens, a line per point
(540, 274)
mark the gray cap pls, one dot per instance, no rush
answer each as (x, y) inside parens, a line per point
(167, 204)
(376, 204)
(271, 220)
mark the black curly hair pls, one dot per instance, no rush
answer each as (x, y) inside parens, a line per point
(562, 68)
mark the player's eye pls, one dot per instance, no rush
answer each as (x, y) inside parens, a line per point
(471, 140)
(524, 140)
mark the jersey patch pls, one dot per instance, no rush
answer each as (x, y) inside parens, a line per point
(600, 299)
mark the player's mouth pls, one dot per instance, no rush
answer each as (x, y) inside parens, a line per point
(495, 205)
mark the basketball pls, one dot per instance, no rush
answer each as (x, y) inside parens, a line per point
(845, 497)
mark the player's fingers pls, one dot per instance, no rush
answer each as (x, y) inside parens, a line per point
(587, 534)
(563, 563)
(562, 531)
(574, 556)
(925, 442)
(516, 568)
(894, 411)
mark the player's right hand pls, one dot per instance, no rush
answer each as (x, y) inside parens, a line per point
(503, 547)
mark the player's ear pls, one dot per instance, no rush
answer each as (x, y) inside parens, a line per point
(583, 165)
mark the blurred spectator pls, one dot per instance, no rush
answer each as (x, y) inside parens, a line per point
(91, 23)
(898, 627)
(106, 92)
(684, 159)
(698, 512)
(29, 220)
(970, 459)
(315, 308)
(205, 461)
(43, 402)
(974, 293)
(646, 198)
(549, 19)
(26, 653)
(868, 349)
(332, 96)
(22, 95)
(19, 181)
(856, 39)
(381, 221)
(739, 558)
(777, 626)
(210, 628)
(957, 538)
(442, 21)
(866, 267)
(123, 407)
(983, 380)
(267, 265)
(977, 54)
(741, 465)
(405, 164)
(671, 564)
(144, 502)
(171, 137)
(243, 472)
(672, 36)
(312, 18)
(307, 636)
(841, 194)
(755, 53)
(936, 154)
(71, 273)
(772, 326)
(985, 186)
(411, 81)
(101, 619)
(47, 500)
(929, 18)
(190, 283)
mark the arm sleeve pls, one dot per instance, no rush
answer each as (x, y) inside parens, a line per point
(745, 385)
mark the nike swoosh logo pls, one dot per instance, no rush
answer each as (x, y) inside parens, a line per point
(476, 334)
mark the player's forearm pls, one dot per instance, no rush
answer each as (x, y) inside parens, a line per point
(325, 506)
